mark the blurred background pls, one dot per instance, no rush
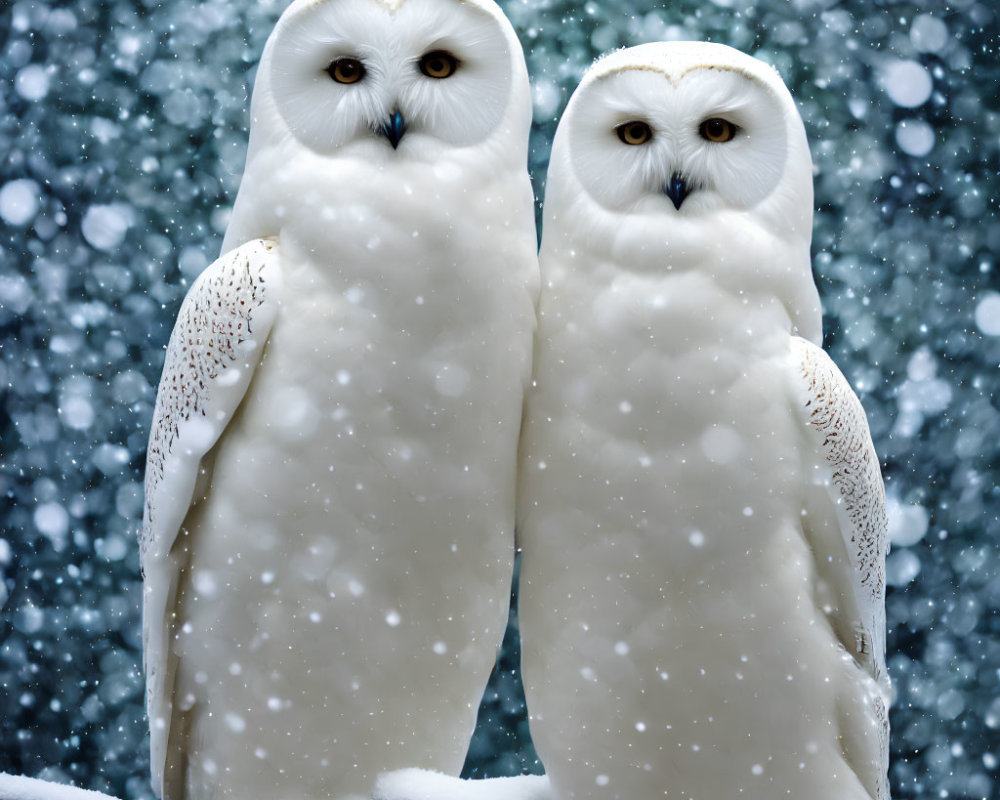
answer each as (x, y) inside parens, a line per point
(123, 130)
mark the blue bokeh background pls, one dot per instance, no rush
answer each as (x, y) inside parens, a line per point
(123, 127)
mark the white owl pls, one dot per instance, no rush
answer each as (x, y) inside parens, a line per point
(700, 505)
(328, 538)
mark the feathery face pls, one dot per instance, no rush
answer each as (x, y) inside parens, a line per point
(388, 108)
(365, 72)
(711, 138)
(687, 156)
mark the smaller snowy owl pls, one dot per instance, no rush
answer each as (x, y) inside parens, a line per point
(700, 505)
(329, 530)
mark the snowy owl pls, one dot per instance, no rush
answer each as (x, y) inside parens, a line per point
(700, 505)
(329, 529)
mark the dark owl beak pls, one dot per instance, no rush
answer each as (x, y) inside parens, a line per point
(394, 129)
(676, 189)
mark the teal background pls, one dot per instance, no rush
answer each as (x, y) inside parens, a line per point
(128, 120)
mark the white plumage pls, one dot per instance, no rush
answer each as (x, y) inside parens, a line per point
(328, 538)
(700, 505)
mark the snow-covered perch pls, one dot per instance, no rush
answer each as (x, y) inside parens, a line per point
(421, 784)
(404, 784)
(15, 787)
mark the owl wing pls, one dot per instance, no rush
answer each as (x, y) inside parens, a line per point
(844, 519)
(216, 344)
(852, 488)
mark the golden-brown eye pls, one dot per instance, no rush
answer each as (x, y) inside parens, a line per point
(346, 70)
(717, 130)
(634, 132)
(438, 64)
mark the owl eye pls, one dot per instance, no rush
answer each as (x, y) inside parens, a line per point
(717, 130)
(346, 70)
(438, 64)
(634, 132)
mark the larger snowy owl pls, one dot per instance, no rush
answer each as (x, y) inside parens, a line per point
(700, 504)
(330, 482)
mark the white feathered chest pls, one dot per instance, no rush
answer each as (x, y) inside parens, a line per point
(655, 385)
(394, 337)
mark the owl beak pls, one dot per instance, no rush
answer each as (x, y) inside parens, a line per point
(676, 189)
(394, 128)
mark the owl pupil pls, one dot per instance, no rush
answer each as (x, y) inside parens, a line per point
(634, 133)
(438, 64)
(346, 70)
(718, 130)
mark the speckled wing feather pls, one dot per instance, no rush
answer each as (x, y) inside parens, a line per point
(834, 414)
(850, 485)
(215, 346)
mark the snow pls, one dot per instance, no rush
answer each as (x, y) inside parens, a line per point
(15, 293)
(547, 99)
(915, 137)
(29, 619)
(922, 394)
(417, 784)
(407, 784)
(236, 723)
(32, 82)
(108, 210)
(104, 226)
(901, 568)
(908, 83)
(110, 459)
(52, 520)
(907, 523)
(928, 33)
(19, 201)
(988, 313)
(77, 412)
(15, 787)
(192, 262)
(112, 548)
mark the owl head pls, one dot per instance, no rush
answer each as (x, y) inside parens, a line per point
(369, 77)
(680, 155)
(380, 101)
